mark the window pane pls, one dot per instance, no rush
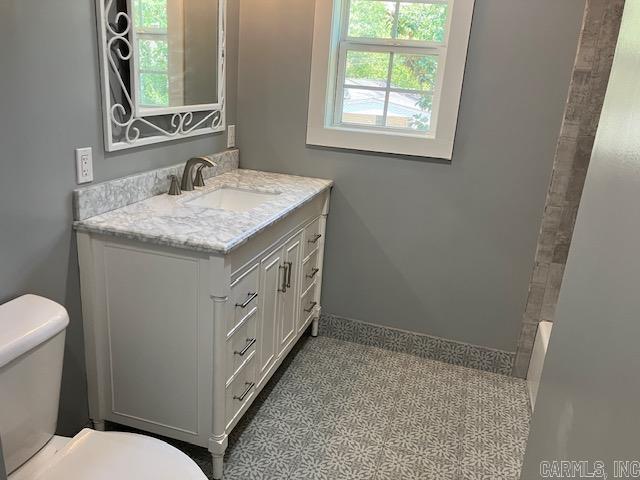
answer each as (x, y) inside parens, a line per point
(414, 72)
(422, 21)
(367, 68)
(154, 54)
(364, 107)
(154, 89)
(150, 13)
(410, 111)
(371, 19)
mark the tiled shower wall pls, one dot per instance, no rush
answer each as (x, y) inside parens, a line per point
(586, 95)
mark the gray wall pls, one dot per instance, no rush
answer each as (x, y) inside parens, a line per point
(3, 471)
(444, 249)
(50, 104)
(587, 406)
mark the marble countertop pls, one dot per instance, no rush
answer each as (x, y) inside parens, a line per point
(169, 220)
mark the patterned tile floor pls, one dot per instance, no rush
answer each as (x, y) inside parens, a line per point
(339, 411)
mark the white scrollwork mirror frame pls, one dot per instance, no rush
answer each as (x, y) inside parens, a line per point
(123, 126)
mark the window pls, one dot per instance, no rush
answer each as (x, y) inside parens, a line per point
(387, 75)
(160, 52)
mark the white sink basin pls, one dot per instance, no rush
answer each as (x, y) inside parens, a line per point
(233, 199)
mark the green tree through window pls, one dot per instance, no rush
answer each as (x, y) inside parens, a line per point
(419, 22)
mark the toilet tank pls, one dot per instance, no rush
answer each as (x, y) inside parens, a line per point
(32, 331)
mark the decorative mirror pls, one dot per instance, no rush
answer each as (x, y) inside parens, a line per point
(162, 65)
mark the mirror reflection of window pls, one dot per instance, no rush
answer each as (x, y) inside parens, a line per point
(160, 45)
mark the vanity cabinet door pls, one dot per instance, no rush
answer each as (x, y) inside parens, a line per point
(271, 280)
(289, 297)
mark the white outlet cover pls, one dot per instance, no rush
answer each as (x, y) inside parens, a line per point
(84, 165)
(231, 136)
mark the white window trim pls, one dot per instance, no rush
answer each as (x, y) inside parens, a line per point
(321, 127)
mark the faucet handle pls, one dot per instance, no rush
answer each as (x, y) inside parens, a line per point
(199, 181)
(174, 189)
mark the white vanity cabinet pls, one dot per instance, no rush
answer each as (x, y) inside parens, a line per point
(180, 342)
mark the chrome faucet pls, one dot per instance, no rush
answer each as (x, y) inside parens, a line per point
(187, 176)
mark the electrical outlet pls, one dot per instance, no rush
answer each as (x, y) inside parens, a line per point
(231, 136)
(84, 165)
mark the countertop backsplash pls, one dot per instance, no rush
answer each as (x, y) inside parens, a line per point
(113, 194)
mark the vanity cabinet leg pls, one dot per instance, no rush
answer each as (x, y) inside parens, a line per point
(314, 326)
(218, 465)
(218, 441)
(217, 447)
(98, 425)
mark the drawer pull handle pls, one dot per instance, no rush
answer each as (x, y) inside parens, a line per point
(250, 342)
(313, 272)
(252, 296)
(290, 265)
(284, 278)
(312, 305)
(246, 392)
(315, 238)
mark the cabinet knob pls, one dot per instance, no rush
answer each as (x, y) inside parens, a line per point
(315, 238)
(313, 272)
(246, 392)
(248, 301)
(312, 305)
(284, 267)
(250, 343)
(290, 265)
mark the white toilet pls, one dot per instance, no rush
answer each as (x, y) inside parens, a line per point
(32, 331)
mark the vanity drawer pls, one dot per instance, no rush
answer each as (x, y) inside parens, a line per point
(244, 297)
(240, 390)
(310, 270)
(312, 236)
(308, 305)
(242, 344)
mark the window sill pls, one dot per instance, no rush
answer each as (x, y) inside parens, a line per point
(380, 141)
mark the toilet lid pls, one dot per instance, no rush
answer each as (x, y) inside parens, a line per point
(92, 455)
